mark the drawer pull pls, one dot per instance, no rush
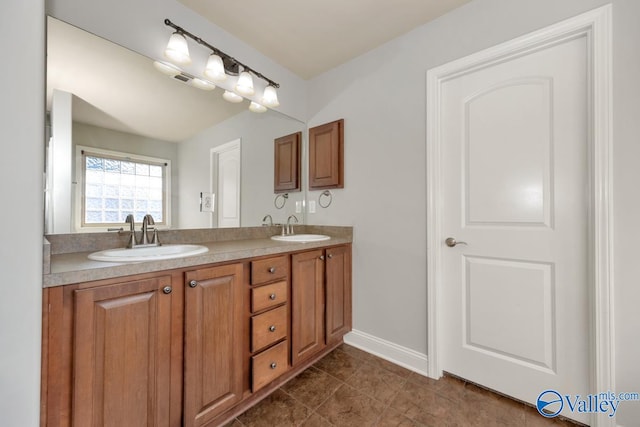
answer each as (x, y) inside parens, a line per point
(273, 365)
(272, 270)
(272, 297)
(272, 328)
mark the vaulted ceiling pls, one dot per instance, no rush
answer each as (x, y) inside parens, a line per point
(312, 36)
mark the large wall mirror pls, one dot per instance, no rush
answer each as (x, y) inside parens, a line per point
(125, 138)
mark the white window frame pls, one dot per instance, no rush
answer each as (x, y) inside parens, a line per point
(78, 200)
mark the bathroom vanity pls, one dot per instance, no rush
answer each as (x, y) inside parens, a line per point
(190, 341)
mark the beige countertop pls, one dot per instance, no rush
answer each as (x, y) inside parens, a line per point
(76, 267)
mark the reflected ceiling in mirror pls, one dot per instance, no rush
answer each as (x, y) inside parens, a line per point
(114, 84)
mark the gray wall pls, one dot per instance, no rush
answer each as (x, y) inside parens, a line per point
(257, 132)
(21, 166)
(381, 96)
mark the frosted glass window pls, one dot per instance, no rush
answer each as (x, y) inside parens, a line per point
(115, 186)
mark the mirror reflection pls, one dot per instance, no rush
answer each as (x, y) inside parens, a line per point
(124, 138)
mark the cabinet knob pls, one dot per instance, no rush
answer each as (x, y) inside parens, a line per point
(329, 256)
(167, 290)
(272, 297)
(321, 257)
(193, 284)
(272, 328)
(273, 365)
(272, 270)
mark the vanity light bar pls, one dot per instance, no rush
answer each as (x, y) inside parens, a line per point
(230, 63)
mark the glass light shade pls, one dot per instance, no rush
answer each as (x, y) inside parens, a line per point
(215, 68)
(245, 84)
(257, 108)
(168, 69)
(232, 97)
(177, 49)
(202, 84)
(270, 97)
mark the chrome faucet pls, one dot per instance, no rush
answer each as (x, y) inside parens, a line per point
(144, 238)
(267, 217)
(289, 225)
(132, 232)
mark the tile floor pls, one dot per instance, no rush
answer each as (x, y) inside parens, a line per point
(350, 387)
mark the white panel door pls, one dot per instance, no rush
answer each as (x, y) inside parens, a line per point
(515, 190)
(226, 173)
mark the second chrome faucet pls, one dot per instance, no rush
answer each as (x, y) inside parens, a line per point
(289, 229)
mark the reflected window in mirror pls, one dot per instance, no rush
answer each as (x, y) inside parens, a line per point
(114, 185)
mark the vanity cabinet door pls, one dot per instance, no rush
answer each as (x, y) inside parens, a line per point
(338, 292)
(213, 342)
(286, 176)
(121, 354)
(307, 304)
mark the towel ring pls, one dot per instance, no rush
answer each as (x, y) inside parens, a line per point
(283, 197)
(325, 193)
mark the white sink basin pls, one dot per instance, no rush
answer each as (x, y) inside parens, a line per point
(151, 253)
(301, 238)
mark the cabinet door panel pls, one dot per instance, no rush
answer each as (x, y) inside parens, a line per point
(326, 156)
(307, 307)
(213, 344)
(122, 354)
(287, 163)
(338, 288)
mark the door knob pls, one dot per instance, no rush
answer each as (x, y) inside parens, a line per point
(452, 242)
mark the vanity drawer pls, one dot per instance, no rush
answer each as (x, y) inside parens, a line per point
(269, 365)
(268, 296)
(269, 327)
(267, 270)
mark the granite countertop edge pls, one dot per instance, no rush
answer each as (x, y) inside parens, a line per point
(70, 268)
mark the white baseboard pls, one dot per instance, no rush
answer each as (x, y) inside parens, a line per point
(405, 357)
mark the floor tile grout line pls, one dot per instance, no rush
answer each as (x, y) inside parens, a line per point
(314, 410)
(388, 405)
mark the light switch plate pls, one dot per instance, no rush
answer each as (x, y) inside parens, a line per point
(298, 206)
(312, 206)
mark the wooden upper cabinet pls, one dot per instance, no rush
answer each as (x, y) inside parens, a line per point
(286, 175)
(121, 354)
(213, 344)
(326, 156)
